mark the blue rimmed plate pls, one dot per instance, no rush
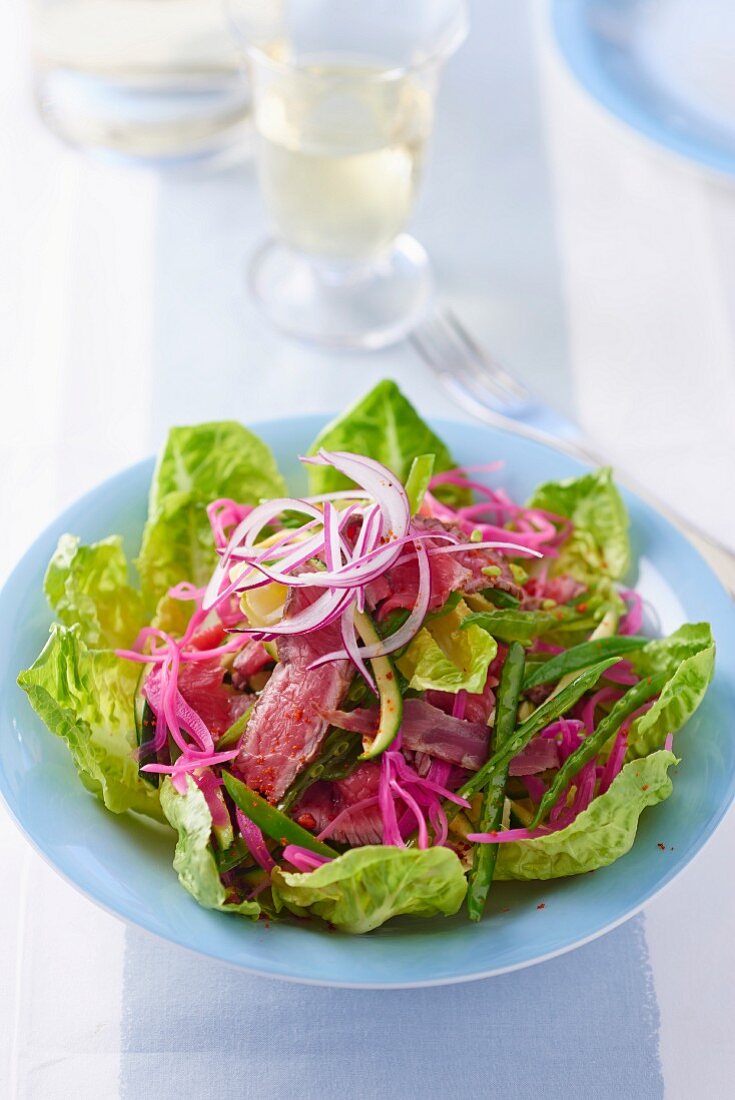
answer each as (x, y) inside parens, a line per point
(664, 67)
(124, 864)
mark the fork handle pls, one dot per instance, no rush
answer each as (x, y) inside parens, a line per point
(717, 553)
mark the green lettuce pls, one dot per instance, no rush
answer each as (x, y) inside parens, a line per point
(688, 655)
(445, 656)
(85, 696)
(600, 834)
(385, 426)
(88, 586)
(666, 654)
(197, 465)
(599, 543)
(194, 861)
(367, 886)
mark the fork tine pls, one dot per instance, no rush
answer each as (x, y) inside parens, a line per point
(487, 366)
(452, 358)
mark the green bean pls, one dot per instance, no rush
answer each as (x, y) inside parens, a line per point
(500, 597)
(580, 656)
(234, 856)
(452, 602)
(336, 759)
(637, 695)
(548, 712)
(491, 812)
(418, 480)
(270, 820)
(232, 735)
(514, 625)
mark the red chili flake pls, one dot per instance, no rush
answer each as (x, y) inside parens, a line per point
(542, 905)
(389, 675)
(662, 846)
(308, 821)
(582, 607)
(644, 787)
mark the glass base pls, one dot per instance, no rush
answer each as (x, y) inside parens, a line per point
(169, 119)
(344, 306)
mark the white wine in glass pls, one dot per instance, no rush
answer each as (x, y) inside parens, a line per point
(343, 103)
(340, 158)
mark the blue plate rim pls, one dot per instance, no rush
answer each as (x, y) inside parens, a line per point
(573, 43)
(122, 911)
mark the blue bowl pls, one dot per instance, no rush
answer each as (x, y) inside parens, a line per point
(124, 863)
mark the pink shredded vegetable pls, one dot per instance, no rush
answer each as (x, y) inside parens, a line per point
(357, 536)
(632, 622)
(255, 842)
(303, 859)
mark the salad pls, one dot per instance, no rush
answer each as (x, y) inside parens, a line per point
(374, 698)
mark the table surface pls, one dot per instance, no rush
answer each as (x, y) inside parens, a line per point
(597, 267)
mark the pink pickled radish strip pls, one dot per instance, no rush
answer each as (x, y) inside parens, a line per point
(633, 621)
(536, 787)
(303, 859)
(622, 673)
(209, 785)
(604, 695)
(509, 836)
(255, 842)
(410, 801)
(460, 702)
(614, 761)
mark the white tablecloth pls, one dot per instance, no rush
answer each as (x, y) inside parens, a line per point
(597, 267)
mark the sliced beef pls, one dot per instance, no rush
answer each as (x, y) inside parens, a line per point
(426, 728)
(560, 589)
(538, 756)
(202, 685)
(252, 658)
(323, 802)
(287, 725)
(460, 571)
(477, 708)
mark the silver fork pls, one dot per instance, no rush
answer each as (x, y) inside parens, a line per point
(485, 389)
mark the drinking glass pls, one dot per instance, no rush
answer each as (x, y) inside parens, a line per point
(343, 96)
(156, 79)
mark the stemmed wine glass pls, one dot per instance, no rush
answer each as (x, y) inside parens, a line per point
(343, 103)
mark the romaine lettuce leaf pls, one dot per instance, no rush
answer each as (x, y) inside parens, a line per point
(599, 543)
(198, 465)
(89, 586)
(85, 696)
(194, 862)
(689, 656)
(385, 426)
(666, 654)
(598, 836)
(367, 886)
(445, 657)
